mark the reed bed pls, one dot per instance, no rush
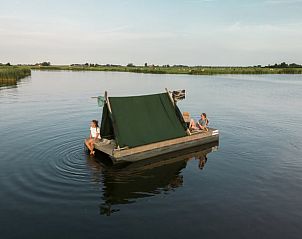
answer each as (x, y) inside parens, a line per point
(13, 73)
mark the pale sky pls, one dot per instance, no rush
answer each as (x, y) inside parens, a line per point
(191, 32)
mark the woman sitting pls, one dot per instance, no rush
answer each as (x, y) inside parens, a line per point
(201, 124)
(95, 136)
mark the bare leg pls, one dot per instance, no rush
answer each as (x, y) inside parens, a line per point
(92, 152)
(88, 144)
(202, 127)
(192, 124)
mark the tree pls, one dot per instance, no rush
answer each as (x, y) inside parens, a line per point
(45, 63)
(130, 65)
(146, 64)
(294, 65)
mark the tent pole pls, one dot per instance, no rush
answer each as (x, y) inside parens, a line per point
(174, 103)
(108, 103)
(109, 108)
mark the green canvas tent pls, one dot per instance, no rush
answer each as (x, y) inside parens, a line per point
(139, 120)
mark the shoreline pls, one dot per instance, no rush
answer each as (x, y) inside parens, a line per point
(14, 73)
(176, 70)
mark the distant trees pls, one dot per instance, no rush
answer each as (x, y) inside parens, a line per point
(93, 65)
(180, 66)
(130, 65)
(284, 65)
(45, 63)
(7, 64)
(294, 65)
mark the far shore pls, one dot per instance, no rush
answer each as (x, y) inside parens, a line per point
(13, 73)
(191, 70)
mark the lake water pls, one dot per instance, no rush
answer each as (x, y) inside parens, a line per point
(250, 188)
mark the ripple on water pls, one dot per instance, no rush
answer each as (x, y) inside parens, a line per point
(55, 171)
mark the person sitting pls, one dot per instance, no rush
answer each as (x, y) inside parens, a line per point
(95, 136)
(201, 124)
(187, 118)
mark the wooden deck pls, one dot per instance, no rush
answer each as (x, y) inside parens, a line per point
(159, 148)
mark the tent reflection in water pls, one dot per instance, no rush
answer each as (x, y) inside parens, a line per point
(140, 127)
(125, 183)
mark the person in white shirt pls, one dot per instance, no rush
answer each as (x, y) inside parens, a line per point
(94, 136)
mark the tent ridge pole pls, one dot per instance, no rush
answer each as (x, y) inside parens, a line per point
(109, 108)
(173, 102)
(108, 103)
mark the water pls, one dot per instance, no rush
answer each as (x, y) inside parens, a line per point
(250, 188)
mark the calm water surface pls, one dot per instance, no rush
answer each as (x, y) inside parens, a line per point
(250, 188)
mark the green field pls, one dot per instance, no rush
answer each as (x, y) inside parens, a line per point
(177, 69)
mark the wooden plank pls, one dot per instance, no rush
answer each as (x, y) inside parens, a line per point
(161, 144)
(165, 150)
(106, 148)
(159, 148)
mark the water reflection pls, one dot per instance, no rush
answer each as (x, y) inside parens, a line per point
(12, 83)
(125, 183)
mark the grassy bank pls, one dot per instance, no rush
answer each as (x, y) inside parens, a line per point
(13, 73)
(178, 69)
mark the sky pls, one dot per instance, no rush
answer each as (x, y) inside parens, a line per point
(189, 32)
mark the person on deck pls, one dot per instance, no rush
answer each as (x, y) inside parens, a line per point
(202, 123)
(95, 136)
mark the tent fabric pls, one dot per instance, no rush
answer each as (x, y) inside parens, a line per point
(141, 120)
(106, 124)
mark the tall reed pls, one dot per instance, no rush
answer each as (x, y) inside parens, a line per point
(13, 72)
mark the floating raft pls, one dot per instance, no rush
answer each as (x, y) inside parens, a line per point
(140, 127)
(159, 148)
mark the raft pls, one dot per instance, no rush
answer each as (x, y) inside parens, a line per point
(134, 128)
(158, 148)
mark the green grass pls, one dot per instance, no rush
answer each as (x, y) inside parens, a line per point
(178, 69)
(13, 73)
